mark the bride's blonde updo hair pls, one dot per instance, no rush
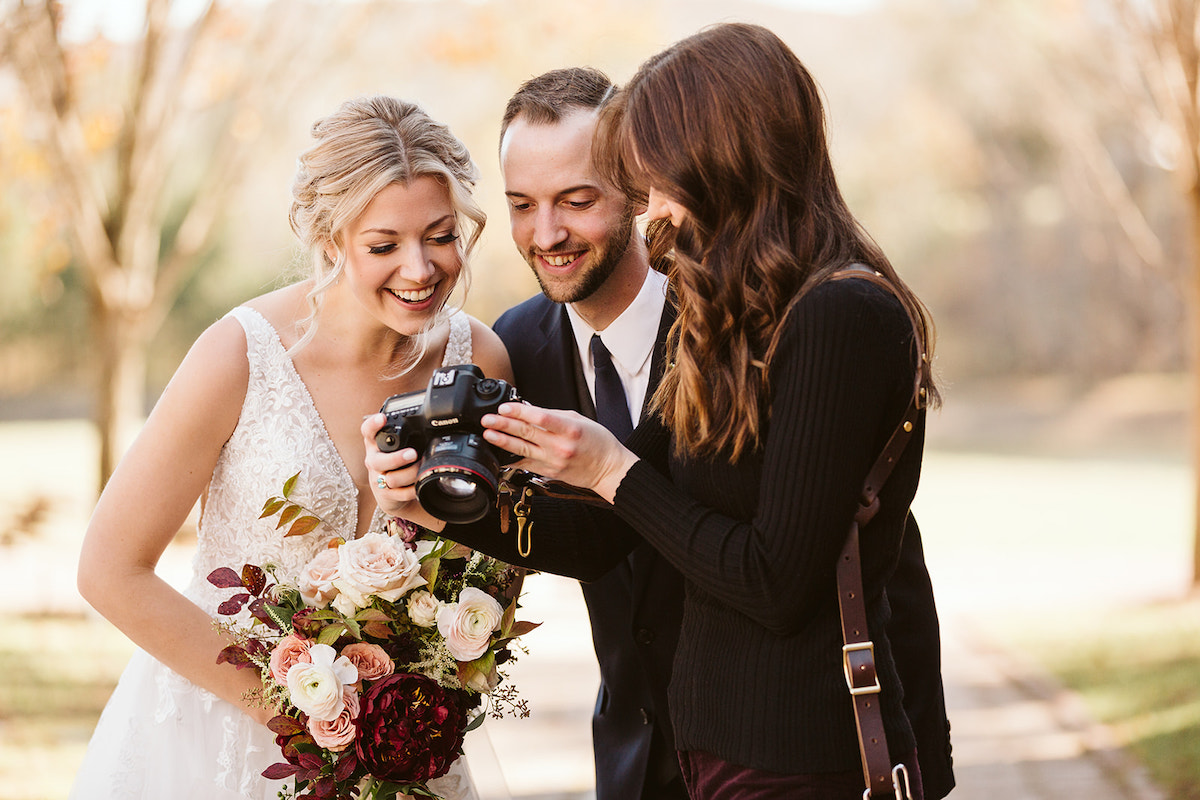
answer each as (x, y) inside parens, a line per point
(361, 149)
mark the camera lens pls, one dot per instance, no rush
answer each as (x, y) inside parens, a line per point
(457, 478)
(456, 487)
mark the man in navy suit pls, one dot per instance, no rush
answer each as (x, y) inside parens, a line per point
(577, 233)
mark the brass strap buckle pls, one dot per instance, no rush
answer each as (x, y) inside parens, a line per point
(848, 655)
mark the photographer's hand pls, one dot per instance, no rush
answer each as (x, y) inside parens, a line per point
(393, 477)
(563, 445)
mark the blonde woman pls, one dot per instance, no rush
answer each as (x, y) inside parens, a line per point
(383, 202)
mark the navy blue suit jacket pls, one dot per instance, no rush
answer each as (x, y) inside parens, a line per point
(636, 608)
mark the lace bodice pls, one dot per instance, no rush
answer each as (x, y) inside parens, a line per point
(279, 433)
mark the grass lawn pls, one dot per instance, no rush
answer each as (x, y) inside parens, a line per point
(1138, 671)
(58, 673)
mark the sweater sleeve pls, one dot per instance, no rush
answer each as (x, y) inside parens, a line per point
(566, 538)
(838, 386)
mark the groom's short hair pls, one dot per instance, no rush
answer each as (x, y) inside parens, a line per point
(549, 97)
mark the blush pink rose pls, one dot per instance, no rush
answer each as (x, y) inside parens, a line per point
(375, 565)
(372, 662)
(315, 581)
(291, 650)
(423, 608)
(337, 734)
(469, 623)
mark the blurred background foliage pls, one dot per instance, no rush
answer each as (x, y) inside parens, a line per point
(1005, 153)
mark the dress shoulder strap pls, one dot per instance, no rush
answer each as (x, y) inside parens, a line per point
(262, 340)
(458, 346)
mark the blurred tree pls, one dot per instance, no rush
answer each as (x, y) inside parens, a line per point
(141, 203)
(1037, 205)
(1163, 35)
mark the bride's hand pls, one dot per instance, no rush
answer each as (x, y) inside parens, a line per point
(563, 445)
(393, 478)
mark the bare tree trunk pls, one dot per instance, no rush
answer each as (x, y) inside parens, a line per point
(121, 381)
(132, 273)
(1194, 330)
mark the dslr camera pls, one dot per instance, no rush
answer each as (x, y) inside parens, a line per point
(457, 471)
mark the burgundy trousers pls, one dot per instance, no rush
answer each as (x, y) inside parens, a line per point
(708, 777)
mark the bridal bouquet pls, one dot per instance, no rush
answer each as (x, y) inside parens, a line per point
(377, 656)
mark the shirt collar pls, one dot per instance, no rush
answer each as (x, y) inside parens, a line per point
(631, 336)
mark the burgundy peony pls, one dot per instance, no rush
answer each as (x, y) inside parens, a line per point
(410, 729)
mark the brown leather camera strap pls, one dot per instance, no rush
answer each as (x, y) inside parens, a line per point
(858, 651)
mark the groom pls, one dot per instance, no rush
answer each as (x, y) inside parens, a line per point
(577, 233)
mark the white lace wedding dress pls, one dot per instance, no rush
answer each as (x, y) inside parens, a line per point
(161, 736)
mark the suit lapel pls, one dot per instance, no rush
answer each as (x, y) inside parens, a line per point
(556, 365)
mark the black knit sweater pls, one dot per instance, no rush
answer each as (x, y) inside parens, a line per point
(757, 678)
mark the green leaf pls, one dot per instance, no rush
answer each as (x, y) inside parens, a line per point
(303, 525)
(288, 514)
(280, 613)
(290, 484)
(485, 663)
(272, 506)
(431, 570)
(475, 723)
(331, 633)
(506, 621)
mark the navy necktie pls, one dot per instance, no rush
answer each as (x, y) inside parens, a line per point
(612, 409)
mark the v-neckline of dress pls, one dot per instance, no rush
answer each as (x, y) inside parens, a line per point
(345, 471)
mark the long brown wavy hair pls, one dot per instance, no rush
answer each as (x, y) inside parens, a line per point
(729, 124)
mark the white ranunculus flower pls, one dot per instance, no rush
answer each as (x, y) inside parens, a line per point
(469, 623)
(423, 608)
(375, 565)
(317, 687)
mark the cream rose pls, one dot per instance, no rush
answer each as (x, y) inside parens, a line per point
(468, 624)
(376, 565)
(316, 579)
(318, 688)
(338, 733)
(423, 608)
(370, 660)
(291, 650)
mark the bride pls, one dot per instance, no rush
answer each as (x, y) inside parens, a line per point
(279, 385)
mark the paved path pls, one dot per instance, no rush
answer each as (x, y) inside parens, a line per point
(1001, 534)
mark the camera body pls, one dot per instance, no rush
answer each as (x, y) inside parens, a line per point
(458, 470)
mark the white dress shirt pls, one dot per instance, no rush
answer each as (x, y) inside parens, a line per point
(630, 338)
